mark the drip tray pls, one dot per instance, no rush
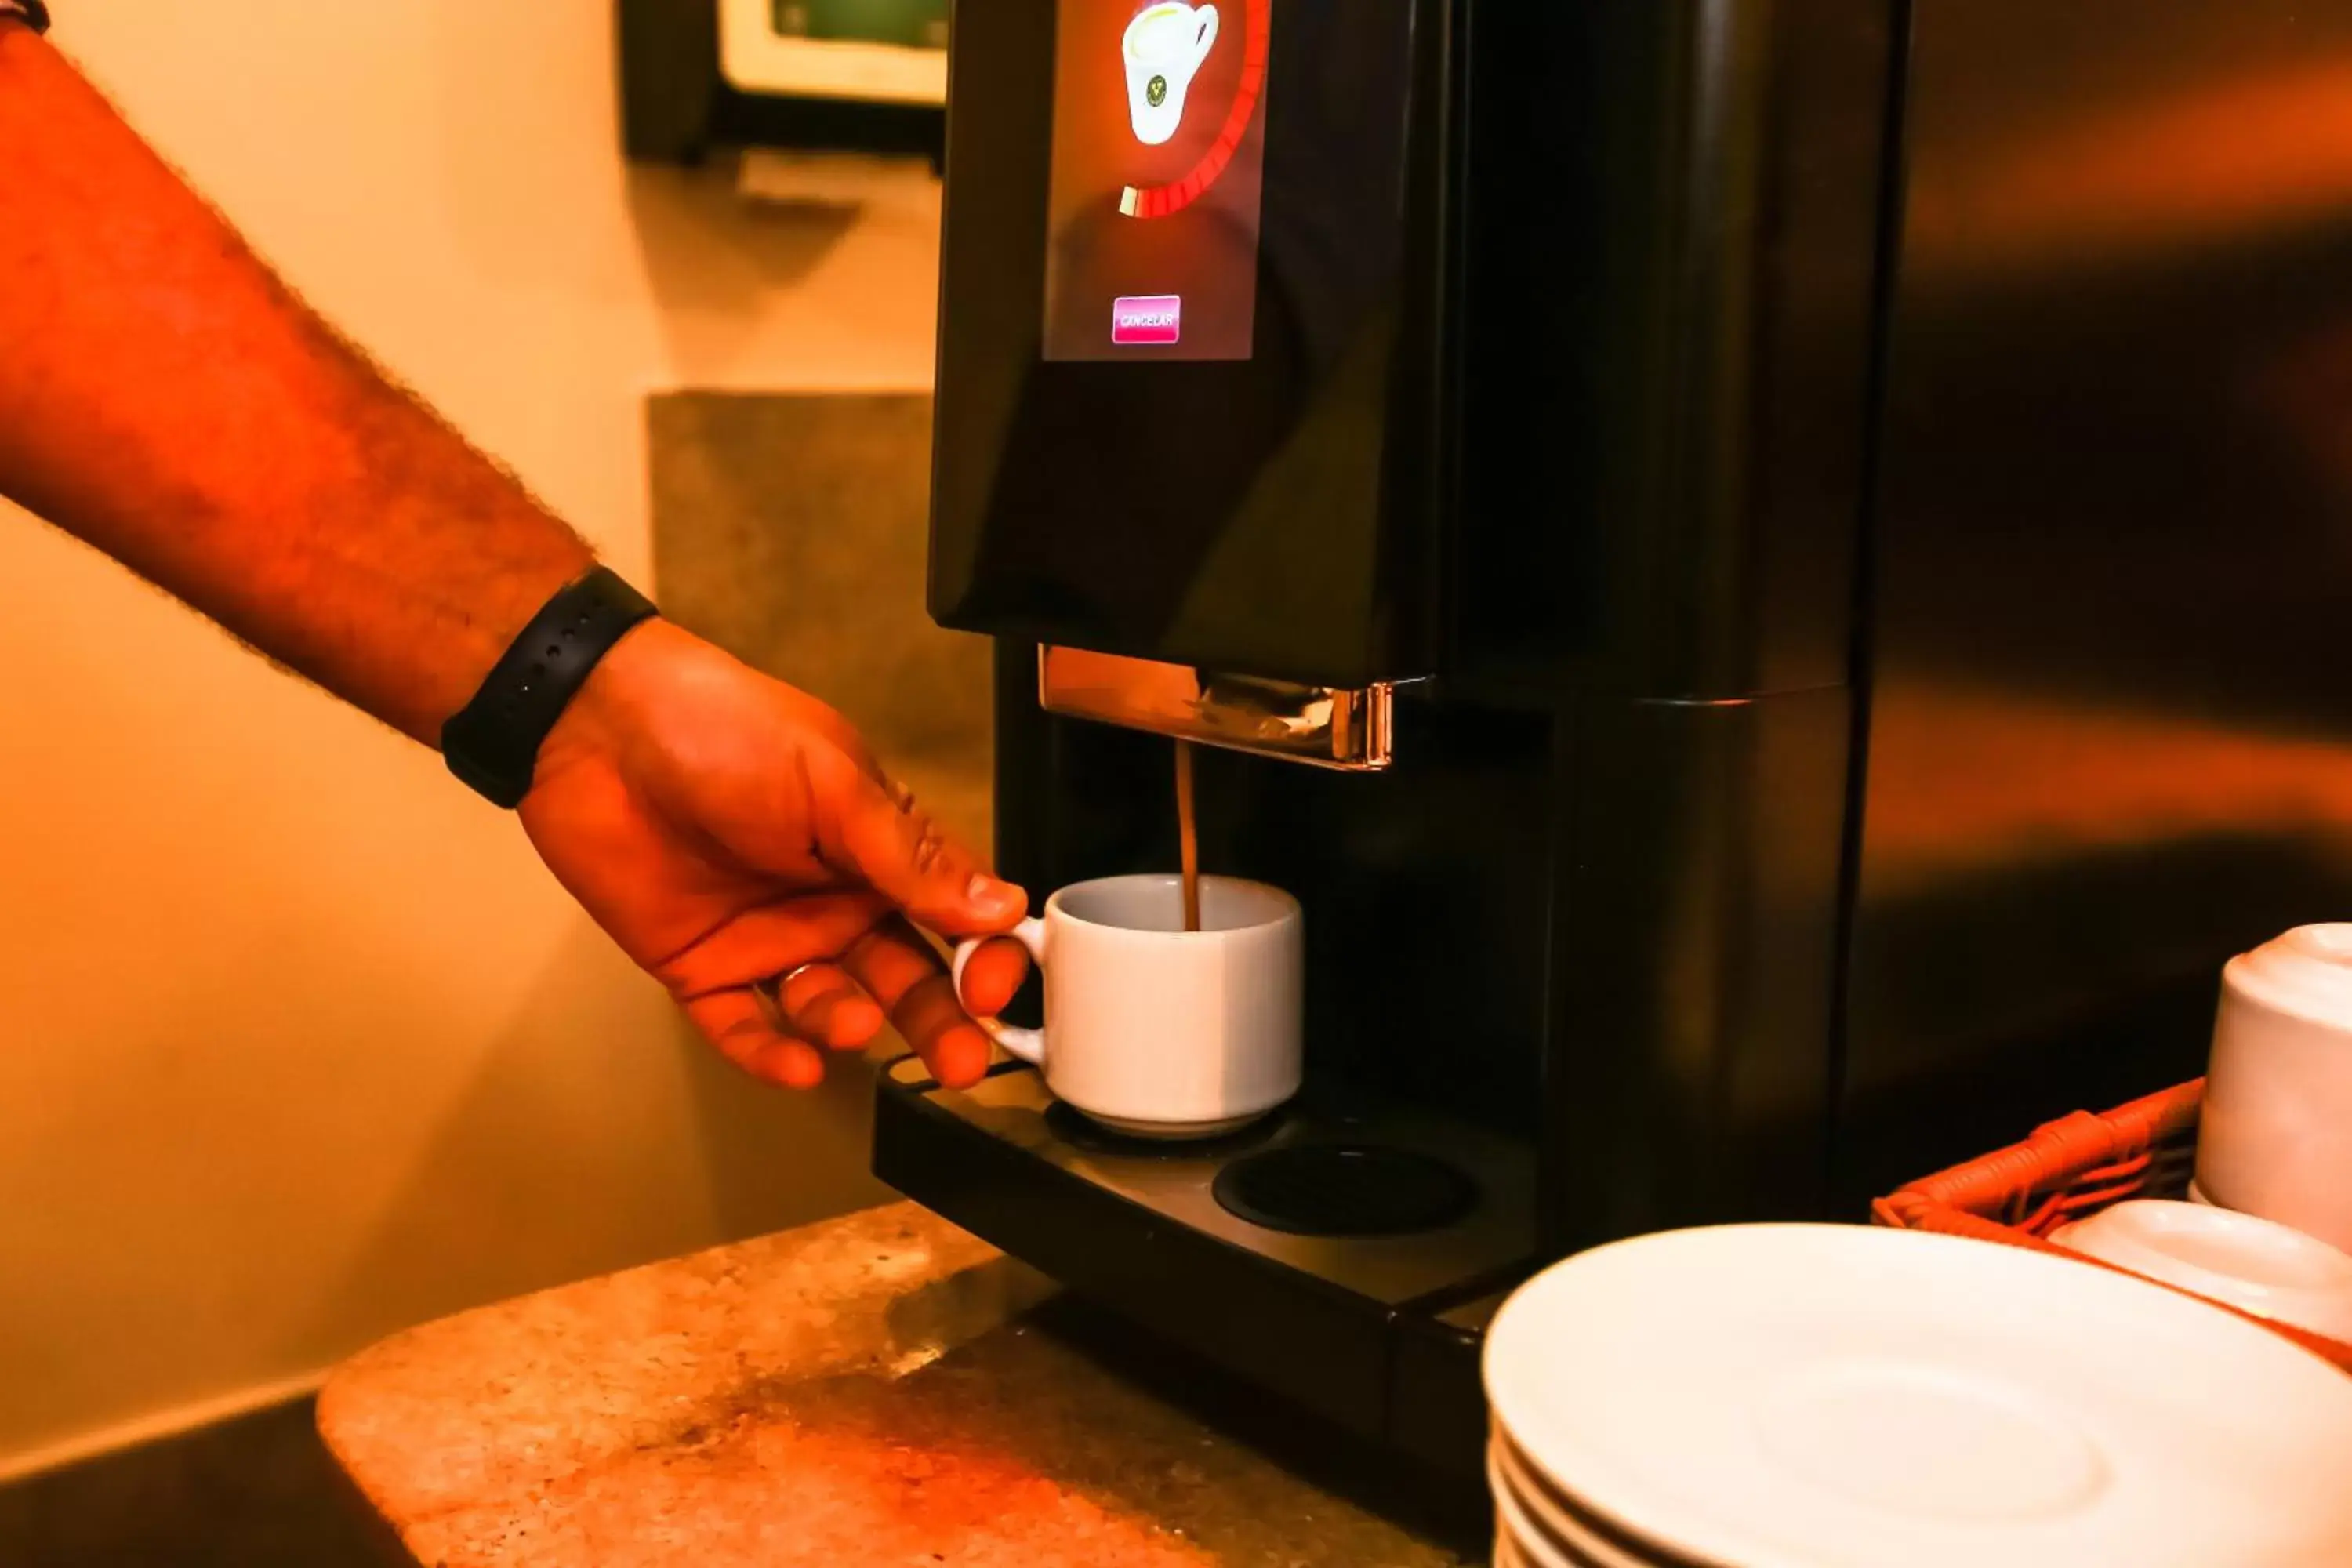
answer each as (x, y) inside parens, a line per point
(1382, 1200)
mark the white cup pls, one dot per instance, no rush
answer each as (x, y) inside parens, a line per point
(1155, 1030)
(2274, 1137)
(1164, 46)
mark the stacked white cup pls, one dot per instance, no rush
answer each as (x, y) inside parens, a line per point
(2268, 1228)
(2275, 1135)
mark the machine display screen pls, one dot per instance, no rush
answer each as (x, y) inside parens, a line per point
(1159, 165)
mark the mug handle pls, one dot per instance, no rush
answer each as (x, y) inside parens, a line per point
(1207, 38)
(1025, 1044)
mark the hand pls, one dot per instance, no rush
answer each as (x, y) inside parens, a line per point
(733, 834)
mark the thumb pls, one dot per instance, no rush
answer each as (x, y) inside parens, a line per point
(896, 849)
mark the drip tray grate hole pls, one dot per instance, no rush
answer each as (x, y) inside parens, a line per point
(1345, 1189)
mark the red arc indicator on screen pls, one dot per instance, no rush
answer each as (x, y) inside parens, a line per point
(1160, 201)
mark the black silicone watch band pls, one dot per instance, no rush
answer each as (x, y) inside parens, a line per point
(492, 743)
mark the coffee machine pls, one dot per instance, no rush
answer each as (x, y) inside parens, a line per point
(1766, 573)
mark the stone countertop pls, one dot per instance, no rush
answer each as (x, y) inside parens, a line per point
(882, 1388)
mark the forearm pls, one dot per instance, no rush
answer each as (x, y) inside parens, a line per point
(164, 398)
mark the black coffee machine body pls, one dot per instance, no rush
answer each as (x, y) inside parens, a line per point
(1764, 572)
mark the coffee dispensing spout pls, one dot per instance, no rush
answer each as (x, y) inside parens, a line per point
(1322, 726)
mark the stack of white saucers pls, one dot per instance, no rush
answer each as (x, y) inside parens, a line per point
(1815, 1396)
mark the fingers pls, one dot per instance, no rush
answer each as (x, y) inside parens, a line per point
(816, 1005)
(823, 1005)
(899, 969)
(897, 850)
(738, 1024)
(773, 938)
(720, 975)
(893, 971)
(995, 974)
(888, 971)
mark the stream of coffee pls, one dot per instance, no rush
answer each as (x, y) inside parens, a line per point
(1188, 836)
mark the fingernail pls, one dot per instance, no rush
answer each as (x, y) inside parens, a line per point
(987, 893)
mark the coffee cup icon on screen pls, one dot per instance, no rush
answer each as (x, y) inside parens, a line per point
(1164, 46)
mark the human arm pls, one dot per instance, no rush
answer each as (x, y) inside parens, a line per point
(166, 398)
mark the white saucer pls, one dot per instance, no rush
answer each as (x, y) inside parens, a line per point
(1522, 1511)
(2256, 1265)
(1812, 1396)
(1508, 1555)
(1518, 1543)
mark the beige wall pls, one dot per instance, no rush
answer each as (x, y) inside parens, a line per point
(298, 1044)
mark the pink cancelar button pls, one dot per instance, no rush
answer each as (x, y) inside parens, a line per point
(1146, 319)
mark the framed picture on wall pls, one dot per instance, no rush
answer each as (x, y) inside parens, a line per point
(886, 51)
(863, 75)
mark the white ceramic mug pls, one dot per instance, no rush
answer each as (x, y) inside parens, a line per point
(1164, 46)
(2274, 1137)
(1153, 1029)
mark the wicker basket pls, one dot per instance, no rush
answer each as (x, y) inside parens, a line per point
(2070, 1168)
